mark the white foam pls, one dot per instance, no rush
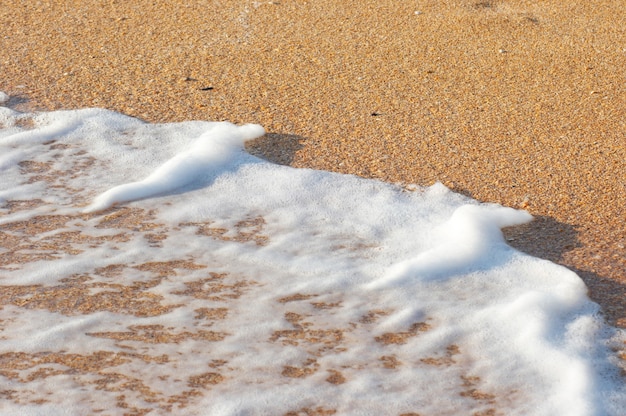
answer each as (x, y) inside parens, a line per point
(309, 290)
(470, 240)
(211, 152)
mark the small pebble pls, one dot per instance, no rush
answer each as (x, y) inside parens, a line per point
(3, 97)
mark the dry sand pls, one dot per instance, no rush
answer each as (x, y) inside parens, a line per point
(517, 102)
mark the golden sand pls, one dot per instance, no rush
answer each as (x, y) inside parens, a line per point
(517, 102)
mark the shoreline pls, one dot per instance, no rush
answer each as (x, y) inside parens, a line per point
(512, 103)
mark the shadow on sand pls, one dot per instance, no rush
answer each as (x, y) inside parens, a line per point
(276, 147)
(549, 239)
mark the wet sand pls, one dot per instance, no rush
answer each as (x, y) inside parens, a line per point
(517, 102)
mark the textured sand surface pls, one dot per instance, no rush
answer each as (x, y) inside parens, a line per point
(517, 102)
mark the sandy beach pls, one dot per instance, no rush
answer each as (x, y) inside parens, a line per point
(517, 102)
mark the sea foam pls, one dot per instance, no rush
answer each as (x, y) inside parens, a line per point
(222, 284)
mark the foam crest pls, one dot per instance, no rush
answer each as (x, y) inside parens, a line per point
(470, 240)
(210, 153)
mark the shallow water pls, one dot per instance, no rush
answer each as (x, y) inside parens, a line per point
(245, 287)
